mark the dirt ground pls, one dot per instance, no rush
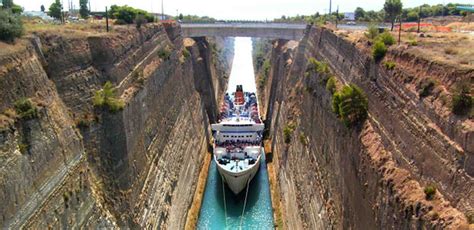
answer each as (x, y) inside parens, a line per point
(449, 47)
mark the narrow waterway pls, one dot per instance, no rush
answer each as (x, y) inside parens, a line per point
(215, 212)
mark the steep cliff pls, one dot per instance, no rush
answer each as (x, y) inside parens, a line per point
(372, 176)
(76, 165)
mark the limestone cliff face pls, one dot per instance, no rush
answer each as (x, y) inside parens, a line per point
(372, 177)
(133, 168)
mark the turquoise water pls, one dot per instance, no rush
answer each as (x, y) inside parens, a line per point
(258, 211)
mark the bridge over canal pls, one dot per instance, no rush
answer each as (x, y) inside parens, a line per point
(262, 30)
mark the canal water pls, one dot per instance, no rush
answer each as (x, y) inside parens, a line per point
(215, 212)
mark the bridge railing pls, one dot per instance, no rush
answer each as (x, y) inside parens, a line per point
(237, 22)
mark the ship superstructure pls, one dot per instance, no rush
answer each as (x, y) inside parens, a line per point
(238, 137)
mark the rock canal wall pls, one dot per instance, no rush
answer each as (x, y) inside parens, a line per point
(332, 176)
(87, 167)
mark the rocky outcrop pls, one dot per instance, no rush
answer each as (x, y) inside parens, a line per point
(79, 166)
(333, 176)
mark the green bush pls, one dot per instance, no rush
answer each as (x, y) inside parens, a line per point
(317, 66)
(106, 98)
(336, 101)
(288, 131)
(186, 53)
(462, 99)
(390, 65)
(303, 139)
(413, 42)
(26, 109)
(387, 38)
(23, 148)
(127, 15)
(11, 26)
(426, 87)
(379, 50)
(331, 84)
(430, 191)
(372, 31)
(351, 105)
(164, 53)
(266, 67)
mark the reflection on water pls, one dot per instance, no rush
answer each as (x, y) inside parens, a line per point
(258, 211)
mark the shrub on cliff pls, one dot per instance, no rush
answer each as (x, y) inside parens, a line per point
(390, 65)
(430, 192)
(106, 98)
(288, 131)
(266, 67)
(426, 87)
(379, 50)
(462, 99)
(26, 109)
(11, 26)
(331, 84)
(351, 105)
(387, 38)
(164, 53)
(317, 66)
(372, 32)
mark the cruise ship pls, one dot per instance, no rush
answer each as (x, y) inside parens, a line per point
(237, 139)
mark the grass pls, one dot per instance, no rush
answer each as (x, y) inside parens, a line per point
(390, 65)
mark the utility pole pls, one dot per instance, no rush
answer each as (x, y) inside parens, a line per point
(419, 19)
(400, 30)
(162, 10)
(337, 15)
(107, 18)
(330, 7)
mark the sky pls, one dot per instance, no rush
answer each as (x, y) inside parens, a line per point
(239, 9)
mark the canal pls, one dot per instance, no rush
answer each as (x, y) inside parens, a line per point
(221, 209)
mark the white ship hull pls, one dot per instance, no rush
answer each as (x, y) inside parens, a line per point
(237, 181)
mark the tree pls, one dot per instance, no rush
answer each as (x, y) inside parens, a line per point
(351, 104)
(16, 9)
(180, 17)
(83, 9)
(359, 13)
(10, 26)
(393, 8)
(42, 8)
(55, 10)
(7, 4)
